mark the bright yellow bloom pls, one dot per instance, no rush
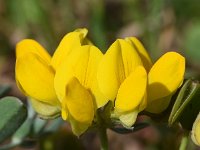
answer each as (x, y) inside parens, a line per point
(35, 70)
(122, 78)
(196, 131)
(77, 88)
(66, 82)
(146, 60)
(164, 77)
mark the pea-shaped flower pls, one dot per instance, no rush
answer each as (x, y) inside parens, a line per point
(77, 88)
(165, 76)
(123, 79)
(35, 70)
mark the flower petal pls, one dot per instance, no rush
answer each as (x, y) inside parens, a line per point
(83, 64)
(79, 102)
(159, 105)
(70, 41)
(143, 103)
(141, 51)
(86, 41)
(35, 77)
(31, 46)
(165, 76)
(77, 107)
(78, 128)
(128, 119)
(64, 113)
(118, 62)
(132, 91)
(83, 32)
(45, 110)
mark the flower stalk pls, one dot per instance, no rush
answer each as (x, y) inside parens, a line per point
(103, 138)
(184, 141)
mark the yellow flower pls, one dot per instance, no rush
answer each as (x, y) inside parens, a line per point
(196, 131)
(35, 70)
(77, 88)
(123, 79)
(164, 77)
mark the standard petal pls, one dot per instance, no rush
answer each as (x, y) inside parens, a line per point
(118, 62)
(35, 77)
(31, 46)
(70, 41)
(79, 102)
(83, 64)
(165, 76)
(146, 60)
(132, 91)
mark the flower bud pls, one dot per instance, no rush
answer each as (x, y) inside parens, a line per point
(196, 131)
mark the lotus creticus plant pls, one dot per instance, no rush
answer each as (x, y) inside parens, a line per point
(78, 79)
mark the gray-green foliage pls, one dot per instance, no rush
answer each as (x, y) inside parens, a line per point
(12, 114)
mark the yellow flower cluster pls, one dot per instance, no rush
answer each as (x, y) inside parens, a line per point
(78, 79)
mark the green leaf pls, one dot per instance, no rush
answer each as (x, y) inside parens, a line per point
(12, 113)
(22, 132)
(191, 110)
(182, 96)
(186, 103)
(19, 135)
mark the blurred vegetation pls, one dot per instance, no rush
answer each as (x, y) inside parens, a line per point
(161, 26)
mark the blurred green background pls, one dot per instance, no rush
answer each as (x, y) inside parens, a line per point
(161, 25)
(166, 25)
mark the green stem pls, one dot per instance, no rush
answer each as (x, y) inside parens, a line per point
(184, 141)
(103, 138)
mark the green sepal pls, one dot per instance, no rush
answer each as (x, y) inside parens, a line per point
(187, 105)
